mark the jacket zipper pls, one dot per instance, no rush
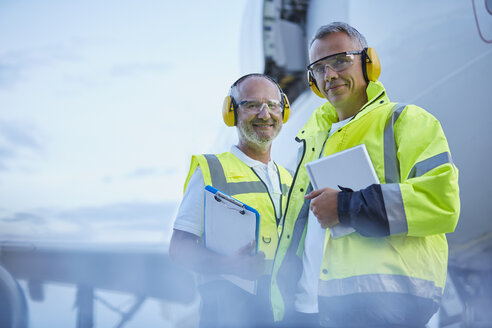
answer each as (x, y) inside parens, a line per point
(285, 214)
(269, 196)
(369, 104)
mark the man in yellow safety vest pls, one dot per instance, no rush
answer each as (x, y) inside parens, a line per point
(257, 107)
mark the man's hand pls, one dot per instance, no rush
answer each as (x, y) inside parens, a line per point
(247, 265)
(324, 204)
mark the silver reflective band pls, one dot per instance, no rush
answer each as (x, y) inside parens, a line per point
(393, 201)
(430, 163)
(380, 283)
(285, 189)
(395, 210)
(219, 180)
(268, 267)
(391, 163)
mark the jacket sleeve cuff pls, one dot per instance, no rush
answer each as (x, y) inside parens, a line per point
(364, 210)
(343, 202)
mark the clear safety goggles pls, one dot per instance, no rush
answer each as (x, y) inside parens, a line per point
(337, 62)
(255, 106)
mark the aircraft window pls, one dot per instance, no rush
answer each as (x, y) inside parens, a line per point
(483, 15)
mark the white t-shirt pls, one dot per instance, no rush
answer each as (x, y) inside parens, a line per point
(306, 299)
(190, 212)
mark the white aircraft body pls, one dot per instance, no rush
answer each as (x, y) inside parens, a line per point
(435, 54)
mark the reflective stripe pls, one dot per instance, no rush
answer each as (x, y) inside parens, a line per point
(285, 189)
(380, 283)
(299, 226)
(236, 188)
(391, 163)
(395, 211)
(393, 201)
(219, 180)
(217, 174)
(301, 222)
(426, 165)
(268, 267)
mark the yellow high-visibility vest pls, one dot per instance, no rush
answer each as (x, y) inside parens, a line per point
(230, 175)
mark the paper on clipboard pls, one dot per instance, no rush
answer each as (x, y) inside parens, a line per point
(351, 168)
(229, 225)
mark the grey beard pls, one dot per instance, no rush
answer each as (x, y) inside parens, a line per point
(248, 134)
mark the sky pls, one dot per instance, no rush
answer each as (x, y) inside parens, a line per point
(102, 103)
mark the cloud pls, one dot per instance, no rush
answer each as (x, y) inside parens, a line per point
(9, 75)
(15, 138)
(132, 69)
(14, 63)
(142, 222)
(17, 134)
(130, 211)
(141, 173)
(30, 218)
(6, 152)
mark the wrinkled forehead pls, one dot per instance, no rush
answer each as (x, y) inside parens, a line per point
(331, 44)
(257, 87)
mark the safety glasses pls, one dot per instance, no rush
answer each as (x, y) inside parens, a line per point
(255, 106)
(337, 62)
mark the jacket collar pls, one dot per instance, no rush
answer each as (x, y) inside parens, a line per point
(325, 115)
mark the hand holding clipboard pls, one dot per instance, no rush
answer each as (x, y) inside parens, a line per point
(230, 228)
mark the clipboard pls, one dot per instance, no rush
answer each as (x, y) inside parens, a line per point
(229, 225)
(351, 168)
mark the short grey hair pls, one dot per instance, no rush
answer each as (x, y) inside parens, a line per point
(234, 91)
(334, 27)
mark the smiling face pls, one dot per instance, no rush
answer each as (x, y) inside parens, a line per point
(257, 129)
(345, 89)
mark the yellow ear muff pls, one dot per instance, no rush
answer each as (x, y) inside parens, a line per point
(313, 85)
(229, 107)
(286, 112)
(372, 71)
(228, 113)
(373, 66)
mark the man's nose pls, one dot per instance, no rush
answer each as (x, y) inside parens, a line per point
(330, 73)
(264, 113)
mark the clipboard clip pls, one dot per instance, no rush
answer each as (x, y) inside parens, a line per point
(219, 196)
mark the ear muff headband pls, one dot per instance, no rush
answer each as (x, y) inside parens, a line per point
(229, 108)
(371, 68)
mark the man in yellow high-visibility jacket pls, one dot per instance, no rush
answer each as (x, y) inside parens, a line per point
(391, 271)
(257, 107)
